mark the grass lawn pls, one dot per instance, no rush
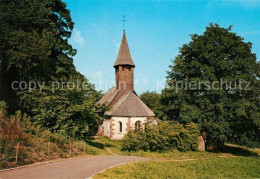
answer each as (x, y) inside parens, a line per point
(215, 167)
(115, 146)
(232, 162)
(95, 148)
(229, 150)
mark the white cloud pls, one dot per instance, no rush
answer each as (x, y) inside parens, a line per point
(76, 37)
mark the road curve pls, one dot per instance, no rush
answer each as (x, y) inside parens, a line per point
(73, 168)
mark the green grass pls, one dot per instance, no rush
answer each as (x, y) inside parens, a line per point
(231, 162)
(115, 146)
(95, 148)
(230, 149)
(216, 167)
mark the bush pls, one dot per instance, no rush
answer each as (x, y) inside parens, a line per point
(3, 108)
(11, 134)
(35, 144)
(164, 136)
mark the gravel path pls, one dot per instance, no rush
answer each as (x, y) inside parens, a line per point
(73, 168)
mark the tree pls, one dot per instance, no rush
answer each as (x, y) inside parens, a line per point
(71, 112)
(34, 44)
(153, 101)
(198, 87)
(34, 48)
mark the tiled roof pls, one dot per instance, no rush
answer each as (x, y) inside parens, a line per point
(124, 56)
(109, 96)
(130, 105)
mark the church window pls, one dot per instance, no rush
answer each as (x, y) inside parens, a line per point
(120, 126)
(137, 125)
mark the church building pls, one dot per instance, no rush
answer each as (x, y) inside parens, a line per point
(126, 111)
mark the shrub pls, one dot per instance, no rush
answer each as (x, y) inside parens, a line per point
(80, 146)
(3, 108)
(164, 136)
(35, 142)
(11, 134)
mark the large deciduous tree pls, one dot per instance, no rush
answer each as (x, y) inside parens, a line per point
(152, 100)
(34, 43)
(34, 47)
(198, 87)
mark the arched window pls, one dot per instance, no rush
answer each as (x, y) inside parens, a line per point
(120, 126)
(137, 125)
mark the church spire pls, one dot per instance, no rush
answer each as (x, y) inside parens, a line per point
(124, 56)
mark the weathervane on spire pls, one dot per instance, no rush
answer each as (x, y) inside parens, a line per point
(124, 21)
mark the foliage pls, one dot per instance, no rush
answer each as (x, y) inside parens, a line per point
(225, 113)
(3, 107)
(11, 133)
(70, 112)
(153, 101)
(232, 167)
(35, 144)
(229, 150)
(34, 48)
(34, 43)
(162, 137)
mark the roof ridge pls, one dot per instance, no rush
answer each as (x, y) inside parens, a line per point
(109, 96)
(129, 105)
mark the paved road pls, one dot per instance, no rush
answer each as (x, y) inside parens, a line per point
(73, 168)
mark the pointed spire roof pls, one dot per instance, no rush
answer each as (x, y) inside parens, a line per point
(124, 56)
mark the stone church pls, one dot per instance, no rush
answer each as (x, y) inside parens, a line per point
(126, 111)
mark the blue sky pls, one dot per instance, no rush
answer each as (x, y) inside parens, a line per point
(155, 30)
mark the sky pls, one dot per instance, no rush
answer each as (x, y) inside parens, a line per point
(155, 31)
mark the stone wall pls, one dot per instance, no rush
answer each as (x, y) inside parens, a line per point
(128, 123)
(106, 128)
(111, 128)
(115, 127)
